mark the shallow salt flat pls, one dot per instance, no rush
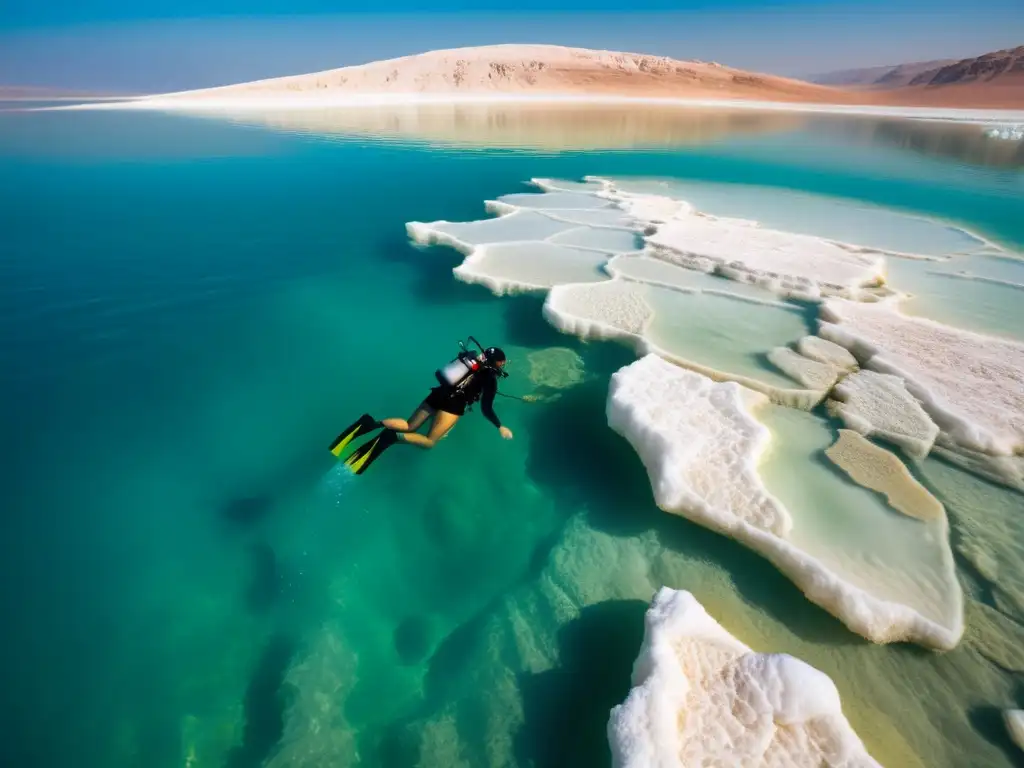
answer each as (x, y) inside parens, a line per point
(852, 531)
(972, 386)
(887, 576)
(608, 240)
(701, 697)
(847, 221)
(515, 227)
(554, 200)
(601, 219)
(531, 266)
(645, 269)
(727, 334)
(987, 299)
(566, 185)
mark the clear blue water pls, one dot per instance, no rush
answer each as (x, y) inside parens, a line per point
(189, 312)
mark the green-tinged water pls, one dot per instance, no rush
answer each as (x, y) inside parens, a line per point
(190, 311)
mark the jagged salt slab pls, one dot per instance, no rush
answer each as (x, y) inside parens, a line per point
(701, 697)
(781, 261)
(878, 404)
(971, 385)
(825, 351)
(700, 446)
(810, 373)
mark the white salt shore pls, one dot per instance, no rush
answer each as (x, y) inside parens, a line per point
(184, 102)
(701, 697)
(701, 446)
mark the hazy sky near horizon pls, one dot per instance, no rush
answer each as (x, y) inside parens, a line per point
(160, 45)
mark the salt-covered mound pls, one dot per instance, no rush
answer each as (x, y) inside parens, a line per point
(881, 471)
(781, 261)
(1014, 719)
(701, 697)
(971, 385)
(700, 446)
(878, 404)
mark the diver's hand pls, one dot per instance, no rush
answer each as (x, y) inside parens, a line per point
(505, 432)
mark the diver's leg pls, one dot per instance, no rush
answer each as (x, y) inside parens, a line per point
(443, 422)
(413, 423)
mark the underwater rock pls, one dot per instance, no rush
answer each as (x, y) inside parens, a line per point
(556, 367)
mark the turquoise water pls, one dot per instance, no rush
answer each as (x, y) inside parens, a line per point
(190, 311)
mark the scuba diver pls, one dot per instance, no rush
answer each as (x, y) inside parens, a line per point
(469, 378)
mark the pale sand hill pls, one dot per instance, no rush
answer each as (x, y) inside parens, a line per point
(534, 70)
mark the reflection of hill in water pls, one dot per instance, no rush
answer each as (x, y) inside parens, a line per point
(965, 143)
(528, 126)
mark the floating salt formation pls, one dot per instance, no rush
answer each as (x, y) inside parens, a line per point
(701, 697)
(972, 386)
(876, 404)
(701, 445)
(881, 471)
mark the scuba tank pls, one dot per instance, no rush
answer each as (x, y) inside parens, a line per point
(458, 370)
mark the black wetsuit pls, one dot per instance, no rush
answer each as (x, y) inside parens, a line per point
(482, 386)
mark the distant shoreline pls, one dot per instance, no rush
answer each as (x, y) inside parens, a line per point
(320, 101)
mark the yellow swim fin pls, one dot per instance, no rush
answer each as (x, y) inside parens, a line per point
(363, 456)
(363, 426)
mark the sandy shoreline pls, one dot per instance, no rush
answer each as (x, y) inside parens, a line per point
(350, 101)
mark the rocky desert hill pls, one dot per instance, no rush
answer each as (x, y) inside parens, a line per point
(993, 80)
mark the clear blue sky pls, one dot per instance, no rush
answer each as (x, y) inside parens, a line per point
(159, 45)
